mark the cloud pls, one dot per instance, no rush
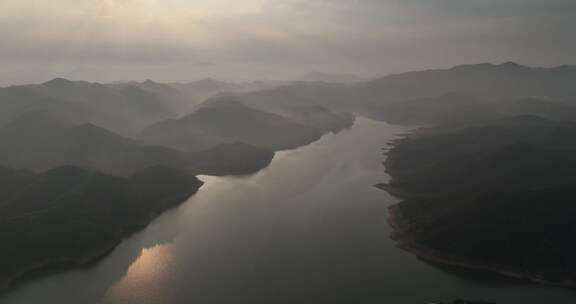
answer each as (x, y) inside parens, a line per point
(404, 34)
(280, 38)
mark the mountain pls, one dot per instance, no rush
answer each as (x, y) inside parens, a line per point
(68, 216)
(335, 97)
(421, 97)
(463, 107)
(434, 110)
(317, 116)
(483, 80)
(430, 159)
(37, 142)
(123, 109)
(492, 195)
(17, 100)
(311, 104)
(313, 115)
(174, 100)
(201, 90)
(229, 121)
(435, 95)
(207, 87)
(487, 184)
(424, 97)
(331, 78)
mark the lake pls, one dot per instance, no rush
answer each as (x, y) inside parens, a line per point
(311, 228)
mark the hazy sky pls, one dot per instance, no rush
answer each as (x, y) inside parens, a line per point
(180, 40)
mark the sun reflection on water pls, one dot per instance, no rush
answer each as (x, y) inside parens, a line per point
(144, 276)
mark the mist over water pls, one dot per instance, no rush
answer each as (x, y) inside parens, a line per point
(225, 151)
(310, 228)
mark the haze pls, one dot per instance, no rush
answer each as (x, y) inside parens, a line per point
(287, 151)
(177, 40)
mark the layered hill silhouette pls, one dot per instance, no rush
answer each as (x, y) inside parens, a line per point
(470, 91)
(326, 118)
(431, 96)
(502, 143)
(199, 91)
(69, 216)
(75, 183)
(483, 80)
(38, 142)
(409, 98)
(123, 109)
(185, 97)
(228, 121)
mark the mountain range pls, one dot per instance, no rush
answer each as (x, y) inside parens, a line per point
(497, 143)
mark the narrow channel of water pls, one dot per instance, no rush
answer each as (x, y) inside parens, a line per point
(311, 228)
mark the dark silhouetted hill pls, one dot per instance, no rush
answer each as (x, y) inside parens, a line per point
(229, 121)
(68, 216)
(492, 195)
(38, 143)
(123, 109)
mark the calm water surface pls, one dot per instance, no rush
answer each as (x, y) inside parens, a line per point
(308, 229)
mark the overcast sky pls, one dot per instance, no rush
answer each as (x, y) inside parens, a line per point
(183, 40)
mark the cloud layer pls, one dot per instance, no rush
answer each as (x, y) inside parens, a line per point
(107, 40)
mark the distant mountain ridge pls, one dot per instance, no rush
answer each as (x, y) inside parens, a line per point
(38, 143)
(140, 104)
(122, 109)
(132, 148)
(484, 80)
(482, 83)
(226, 121)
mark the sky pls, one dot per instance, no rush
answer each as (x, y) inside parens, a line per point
(186, 40)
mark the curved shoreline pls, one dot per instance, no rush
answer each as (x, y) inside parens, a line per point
(401, 234)
(56, 265)
(65, 263)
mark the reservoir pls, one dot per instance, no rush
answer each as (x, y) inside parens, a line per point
(310, 229)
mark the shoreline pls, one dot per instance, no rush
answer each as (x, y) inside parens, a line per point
(61, 264)
(66, 263)
(401, 234)
(54, 266)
